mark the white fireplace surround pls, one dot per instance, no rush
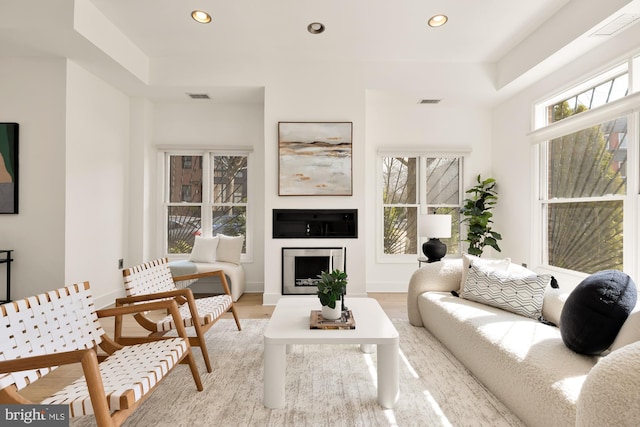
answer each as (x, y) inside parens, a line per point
(301, 266)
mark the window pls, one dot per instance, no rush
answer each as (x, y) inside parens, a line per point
(229, 196)
(596, 92)
(187, 162)
(205, 194)
(585, 198)
(186, 193)
(413, 185)
(595, 96)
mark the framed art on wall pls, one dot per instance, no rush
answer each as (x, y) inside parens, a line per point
(8, 168)
(315, 158)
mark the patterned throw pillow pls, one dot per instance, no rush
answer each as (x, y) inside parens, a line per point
(496, 264)
(522, 295)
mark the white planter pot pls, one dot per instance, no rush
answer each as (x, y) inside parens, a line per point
(332, 313)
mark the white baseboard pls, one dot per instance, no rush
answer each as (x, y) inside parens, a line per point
(108, 299)
(390, 287)
(254, 287)
(270, 298)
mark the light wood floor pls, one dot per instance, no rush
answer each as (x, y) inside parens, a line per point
(249, 306)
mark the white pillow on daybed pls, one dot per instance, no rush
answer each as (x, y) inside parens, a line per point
(229, 248)
(204, 249)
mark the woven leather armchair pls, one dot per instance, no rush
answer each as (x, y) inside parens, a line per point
(62, 327)
(152, 281)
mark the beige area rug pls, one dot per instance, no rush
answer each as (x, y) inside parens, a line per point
(326, 386)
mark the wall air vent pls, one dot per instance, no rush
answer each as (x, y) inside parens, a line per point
(620, 23)
(198, 96)
(429, 101)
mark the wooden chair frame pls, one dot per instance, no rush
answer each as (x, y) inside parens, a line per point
(40, 365)
(181, 296)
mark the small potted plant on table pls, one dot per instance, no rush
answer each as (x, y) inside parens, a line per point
(331, 288)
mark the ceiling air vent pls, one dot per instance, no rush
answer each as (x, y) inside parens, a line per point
(198, 96)
(429, 101)
(621, 22)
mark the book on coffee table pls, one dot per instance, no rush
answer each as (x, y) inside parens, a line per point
(346, 321)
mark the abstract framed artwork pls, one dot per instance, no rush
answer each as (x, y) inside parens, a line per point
(8, 168)
(315, 158)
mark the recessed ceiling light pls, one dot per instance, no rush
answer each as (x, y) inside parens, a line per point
(201, 16)
(315, 28)
(438, 20)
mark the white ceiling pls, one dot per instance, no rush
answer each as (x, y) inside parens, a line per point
(495, 33)
(361, 30)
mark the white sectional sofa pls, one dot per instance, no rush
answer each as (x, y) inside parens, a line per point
(523, 361)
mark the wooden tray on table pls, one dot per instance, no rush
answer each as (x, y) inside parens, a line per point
(346, 321)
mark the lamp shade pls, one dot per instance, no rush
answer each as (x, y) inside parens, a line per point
(436, 226)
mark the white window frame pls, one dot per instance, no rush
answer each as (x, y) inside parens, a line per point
(207, 204)
(628, 107)
(540, 115)
(422, 156)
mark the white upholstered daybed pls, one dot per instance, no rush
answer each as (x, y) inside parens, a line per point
(210, 254)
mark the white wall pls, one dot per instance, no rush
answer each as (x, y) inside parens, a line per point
(383, 117)
(313, 92)
(202, 123)
(393, 123)
(32, 94)
(142, 208)
(97, 190)
(74, 133)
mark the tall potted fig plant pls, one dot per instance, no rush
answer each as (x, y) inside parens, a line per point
(477, 214)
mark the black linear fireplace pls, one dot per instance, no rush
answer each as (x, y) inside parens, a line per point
(301, 267)
(315, 223)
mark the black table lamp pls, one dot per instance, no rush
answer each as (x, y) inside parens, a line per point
(435, 227)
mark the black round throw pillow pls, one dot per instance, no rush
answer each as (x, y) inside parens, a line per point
(595, 311)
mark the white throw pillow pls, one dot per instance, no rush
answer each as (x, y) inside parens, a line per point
(522, 295)
(204, 249)
(554, 300)
(630, 331)
(496, 264)
(230, 248)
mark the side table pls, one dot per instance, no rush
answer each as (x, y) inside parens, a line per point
(7, 260)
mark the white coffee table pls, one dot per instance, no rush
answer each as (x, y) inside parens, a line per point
(289, 325)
